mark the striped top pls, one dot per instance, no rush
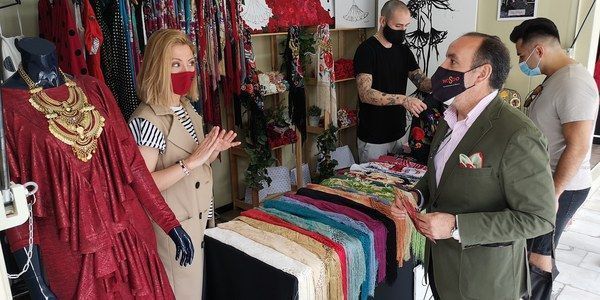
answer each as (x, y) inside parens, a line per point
(147, 134)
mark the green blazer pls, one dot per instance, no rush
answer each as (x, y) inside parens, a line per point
(508, 200)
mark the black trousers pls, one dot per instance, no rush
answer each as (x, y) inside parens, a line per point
(434, 291)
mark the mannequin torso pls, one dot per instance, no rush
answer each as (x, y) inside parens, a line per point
(39, 61)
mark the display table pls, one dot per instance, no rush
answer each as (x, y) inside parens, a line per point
(231, 274)
(334, 240)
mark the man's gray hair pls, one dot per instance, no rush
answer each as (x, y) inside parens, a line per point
(391, 6)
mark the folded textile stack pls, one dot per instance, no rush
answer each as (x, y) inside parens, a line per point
(358, 185)
(338, 240)
(333, 247)
(347, 117)
(406, 176)
(279, 136)
(376, 181)
(344, 68)
(272, 83)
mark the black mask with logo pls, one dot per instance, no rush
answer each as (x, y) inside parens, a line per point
(447, 84)
(396, 37)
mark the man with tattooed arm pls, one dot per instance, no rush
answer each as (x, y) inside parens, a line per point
(383, 64)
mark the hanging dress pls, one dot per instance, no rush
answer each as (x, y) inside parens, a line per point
(116, 55)
(57, 24)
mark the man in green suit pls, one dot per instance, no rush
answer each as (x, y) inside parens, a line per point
(488, 187)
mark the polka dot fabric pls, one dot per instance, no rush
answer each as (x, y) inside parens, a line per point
(116, 55)
(56, 24)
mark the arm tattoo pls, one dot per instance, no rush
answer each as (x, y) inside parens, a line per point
(372, 96)
(420, 80)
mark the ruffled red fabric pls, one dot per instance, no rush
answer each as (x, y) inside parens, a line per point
(90, 217)
(296, 12)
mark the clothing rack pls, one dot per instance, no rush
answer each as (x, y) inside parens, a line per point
(4, 172)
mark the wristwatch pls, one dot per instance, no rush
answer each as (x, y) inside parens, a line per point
(454, 234)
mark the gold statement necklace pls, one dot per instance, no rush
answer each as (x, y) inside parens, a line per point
(73, 121)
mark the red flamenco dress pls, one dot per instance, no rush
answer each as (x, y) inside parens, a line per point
(287, 13)
(90, 220)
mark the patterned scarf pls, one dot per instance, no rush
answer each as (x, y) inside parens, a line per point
(295, 77)
(326, 94)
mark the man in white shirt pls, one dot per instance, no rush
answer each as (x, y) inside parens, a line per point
(564, 107)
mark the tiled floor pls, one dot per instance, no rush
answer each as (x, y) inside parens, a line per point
(578, 255)
(595, 159)
(578, 252)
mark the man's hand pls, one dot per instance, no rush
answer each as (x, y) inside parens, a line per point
(436, 226)
(414, 106)
(398, 210)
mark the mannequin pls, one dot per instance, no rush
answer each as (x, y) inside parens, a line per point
(38, 57)
(112, 232)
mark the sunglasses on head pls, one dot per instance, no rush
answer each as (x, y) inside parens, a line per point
(533, 95)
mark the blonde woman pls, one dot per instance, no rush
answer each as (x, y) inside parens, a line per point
(169, 134)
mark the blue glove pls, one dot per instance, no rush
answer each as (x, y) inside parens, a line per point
(184, 245)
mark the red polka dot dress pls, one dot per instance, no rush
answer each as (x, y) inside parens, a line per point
(56, 24)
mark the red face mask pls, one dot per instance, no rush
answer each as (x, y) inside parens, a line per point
(182, 82)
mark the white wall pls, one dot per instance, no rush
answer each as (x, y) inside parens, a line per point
(567, 15)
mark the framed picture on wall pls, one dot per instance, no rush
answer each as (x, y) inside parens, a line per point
(354, 14)
(509, 10)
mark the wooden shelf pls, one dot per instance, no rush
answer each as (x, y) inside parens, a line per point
(285, 32)
(319, 130)
(279, 147)
(345, 79)
(314, 129)
(313, 81)
(273, 94)
(240, 152)
(243, 204)
(349, 126)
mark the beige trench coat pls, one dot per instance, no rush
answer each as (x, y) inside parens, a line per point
(189, 198)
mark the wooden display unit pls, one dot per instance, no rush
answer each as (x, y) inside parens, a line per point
(238, 153)
(344, 87)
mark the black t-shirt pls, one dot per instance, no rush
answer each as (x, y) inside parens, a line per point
(389, 68)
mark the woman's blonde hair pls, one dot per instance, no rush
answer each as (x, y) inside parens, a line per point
(154, 80)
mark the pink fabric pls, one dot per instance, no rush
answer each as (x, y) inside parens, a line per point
(378, 229)
(459, 128)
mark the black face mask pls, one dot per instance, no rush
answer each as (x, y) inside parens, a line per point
(446, 84)
(396, 37)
